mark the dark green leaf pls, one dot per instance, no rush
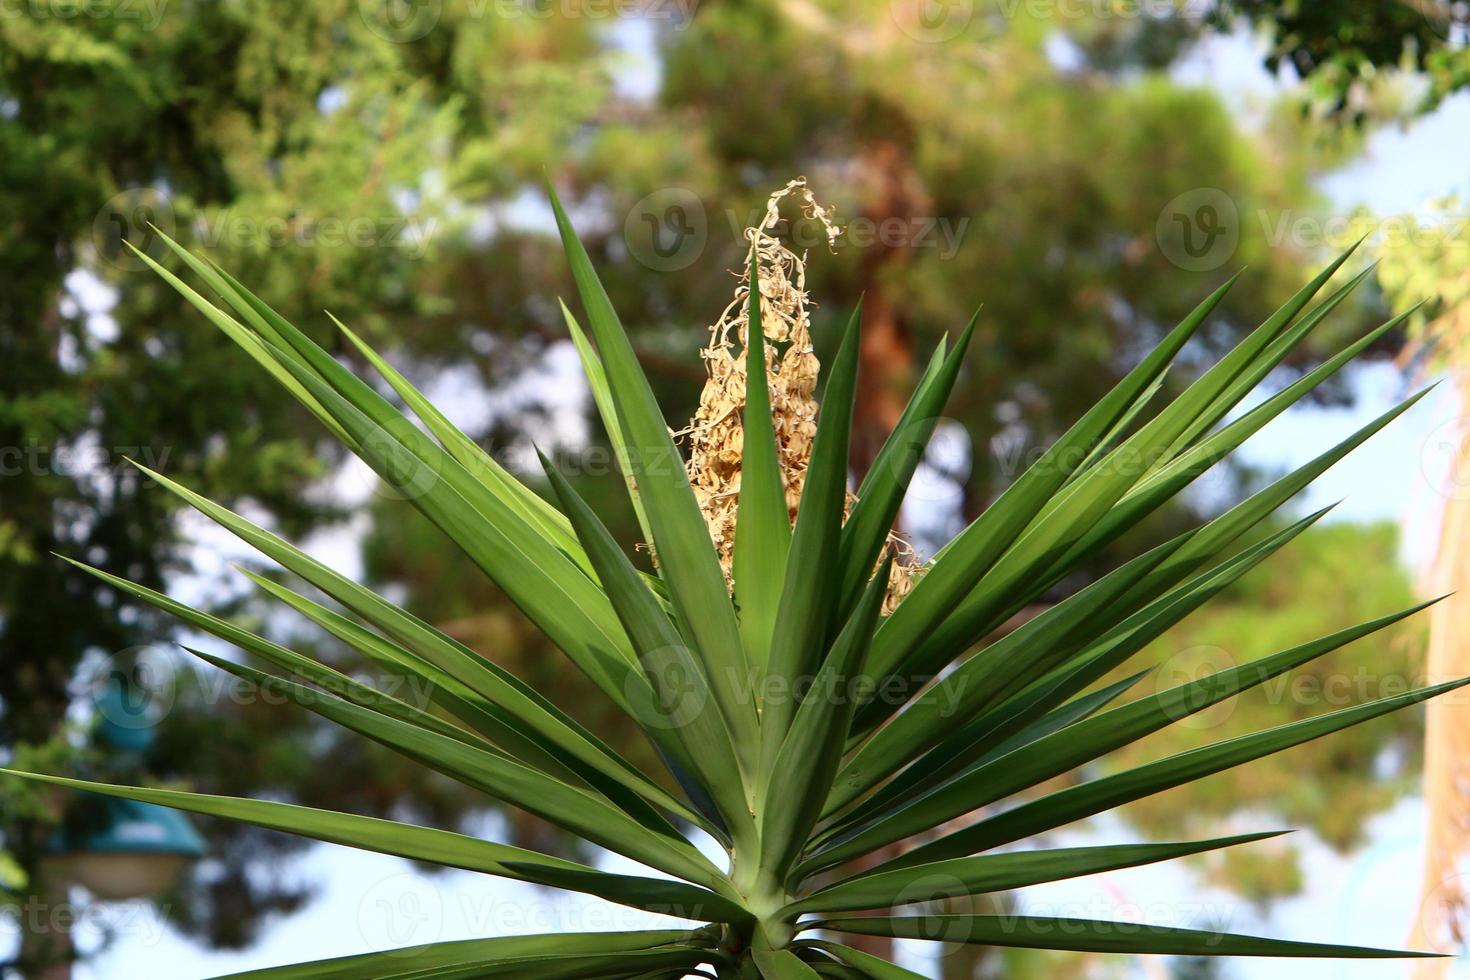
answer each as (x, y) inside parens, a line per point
(763, 524)
(1092, 936)
(681, 540)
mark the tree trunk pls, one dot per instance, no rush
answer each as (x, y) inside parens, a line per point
(1438, 923)
(891, 198)
(46, 918)
(889, 192)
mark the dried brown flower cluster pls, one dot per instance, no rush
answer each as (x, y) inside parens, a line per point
(716, 433)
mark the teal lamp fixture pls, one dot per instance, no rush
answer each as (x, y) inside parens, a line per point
(122, 849)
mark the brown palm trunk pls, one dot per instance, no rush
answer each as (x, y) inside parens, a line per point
(891, 197)
(889, 191)
(46, 951)
(887, 361)
(1438, 924)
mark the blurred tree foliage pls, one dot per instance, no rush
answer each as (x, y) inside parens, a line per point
(311, 152)
(1347, 50)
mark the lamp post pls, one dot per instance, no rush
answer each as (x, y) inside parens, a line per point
(117, 849)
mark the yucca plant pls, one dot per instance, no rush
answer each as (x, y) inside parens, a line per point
(847, 758)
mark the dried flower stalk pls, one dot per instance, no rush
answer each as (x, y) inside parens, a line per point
(716, 433)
